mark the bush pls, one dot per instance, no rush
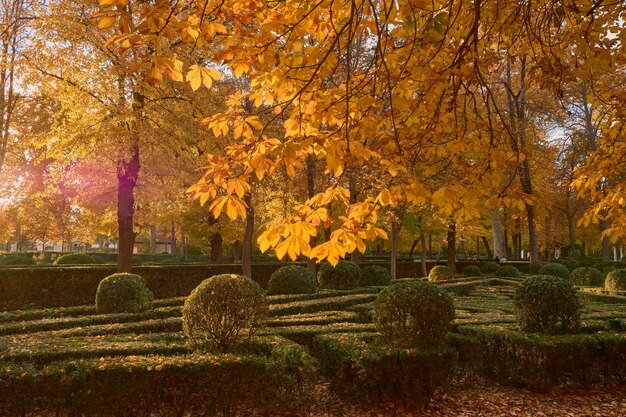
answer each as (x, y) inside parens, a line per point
(98, 260)
(359, 366)
(74, 259)
(440, 273)
(507, 271)
(291, 280)
(546, 304)
(587, 277)
(414, 314)
(222, 310)
(16, 260)
(471, 271)
(555, 269)
(607, 269)
(490, 268)
(615, 281)
(123, 293)
(375, 275)
(343, 276)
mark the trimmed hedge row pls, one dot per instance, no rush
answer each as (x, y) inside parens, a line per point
(539, 362)
(359, 366)
(272, 375)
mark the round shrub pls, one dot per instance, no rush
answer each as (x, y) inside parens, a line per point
(375, 275)
(343, 276)
(570, 264)
(414, 314)
(123, 293)
(16, 260)
(489, 268)
(440, 273)
(587, 277)
(615, 281)
(546, 304)
(74, 259)
(607, 269)
(291, 280)
(222, 310)
(555, 269)
(471, 271)
(507, 271)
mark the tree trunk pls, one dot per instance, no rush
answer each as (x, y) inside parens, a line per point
(182, 242)
(236, 251)
(310, 185)
(395, 234)
(216, 241)
(606, 249)
(413, 246)
(127, 175)
(173, 239)
(423, 258)
(487, 248)
(452, 246)
(246, 260)
(499, 248)
(430, 245)
(153, 238)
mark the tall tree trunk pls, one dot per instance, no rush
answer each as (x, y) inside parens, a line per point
(216, 241)
(127, 175)
(487, 248)
(153, 238)
(452, 246)
(182, 242)
(173, 239)
(246, 259)
(395, 234)
(236, 251)
(423, 258)
(310, 187)
(499, 248)
(430, 245)
(413, 246)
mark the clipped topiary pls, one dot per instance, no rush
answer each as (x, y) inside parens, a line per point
(507, 271)
(11, 259)
(471, 271)
(375, 275)
(587, 277)
(291, 280)
(98, 260)
(440, 273)
(74, 259)
(546, 304)
(343, 276)
(414, 314)
(123, 293)
(615, 281)
(554, 269)
(222, 310)
(489, 268)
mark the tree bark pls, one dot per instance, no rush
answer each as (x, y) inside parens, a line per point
(452, 246)
(216, 241)
(173, 239)
(423, 258)
(413, 246)
(236, 251)
(246, 259)
(487, 248)
(153, 238)
(127, 175)
(182, 242)
(395, 234)
(499, 248)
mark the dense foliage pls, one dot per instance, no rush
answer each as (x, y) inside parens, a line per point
(343, 276)
(616, 281)
(75, 259)
(555, 269)
(587, 277)
(222, 310)
(471, 271)
(123, 293)
(375, 275)
(440, 273)
(507, 271)
(291, 279)
(414, 314)
(489, 267)
(546, 304)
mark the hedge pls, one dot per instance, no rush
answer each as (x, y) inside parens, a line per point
(360, 366)
(273, 375)
(539, 362)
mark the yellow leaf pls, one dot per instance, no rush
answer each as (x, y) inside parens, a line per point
(158, 367)
(231, 210)
(106, 22)
(194, 77)
(217, 206)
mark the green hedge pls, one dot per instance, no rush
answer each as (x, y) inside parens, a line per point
(359, 366)
(539, 362)
(70, 286)
(271, 376)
